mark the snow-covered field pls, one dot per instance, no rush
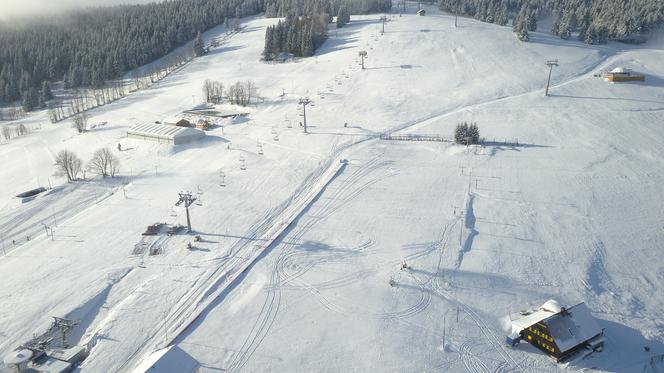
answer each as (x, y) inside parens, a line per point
(298, 250)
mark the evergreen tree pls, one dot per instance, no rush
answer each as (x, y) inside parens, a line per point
(45, 94)
(199, 46)
(30, 99)
(267, 50)
(531, 21)
(522, 31)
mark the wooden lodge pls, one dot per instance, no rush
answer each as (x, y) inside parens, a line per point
(558, 331)
(621, 74)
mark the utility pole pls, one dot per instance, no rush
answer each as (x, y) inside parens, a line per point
(304, 102)
(551, 64)
(456, 15)
(363, 55)
(187, 199)
(384, 19)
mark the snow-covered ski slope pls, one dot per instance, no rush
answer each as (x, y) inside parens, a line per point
(571, 212)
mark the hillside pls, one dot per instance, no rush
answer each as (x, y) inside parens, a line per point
(297, 253)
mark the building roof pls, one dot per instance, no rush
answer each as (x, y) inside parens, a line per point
(619, 70)
(569, 328)
(18, 357)
(51, 365)
(160, 130)
(168, 360)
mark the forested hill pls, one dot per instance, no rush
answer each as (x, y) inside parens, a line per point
(596, 21)
(90, 46)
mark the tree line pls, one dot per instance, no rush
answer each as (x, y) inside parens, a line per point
(595, 21)
(91, 46)
(239, 93)
(299, 36)
(305, 26)
(103, 163)
(297, 8)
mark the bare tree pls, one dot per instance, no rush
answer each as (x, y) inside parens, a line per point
(104, 163)
(68, 164)
(213, 91)
(81, 122)
(236, 94)
(207, 90)
(6, 132)
(251, 92)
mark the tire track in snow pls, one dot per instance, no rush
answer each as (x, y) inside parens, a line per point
(270, 307)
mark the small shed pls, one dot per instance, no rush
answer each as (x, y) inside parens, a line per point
(178, 122)
(421, 12)
(164, 134)
(621, 74)
(559, 331)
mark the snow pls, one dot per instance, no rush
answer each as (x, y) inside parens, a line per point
(578, 327)
(17, 357)
(552, 305)
(168, 360)
(297, 251)
(530, 320)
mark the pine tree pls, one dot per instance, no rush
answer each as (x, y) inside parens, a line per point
(199, 46)
(30, 99)
(531, 21)
(340, 18)
(267, 49)
(45, 94)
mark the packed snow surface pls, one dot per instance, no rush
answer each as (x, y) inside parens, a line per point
(300, 263)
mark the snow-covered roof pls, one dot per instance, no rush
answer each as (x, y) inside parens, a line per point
(573, 329)
(569, 329)
(168, 360)
(532, 319)
(620, 70)
(17, 357)
(160, 130)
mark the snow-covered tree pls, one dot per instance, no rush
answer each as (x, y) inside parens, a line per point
(199, 45)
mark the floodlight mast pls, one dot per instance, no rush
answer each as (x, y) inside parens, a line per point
(384, 19)
(551, 64)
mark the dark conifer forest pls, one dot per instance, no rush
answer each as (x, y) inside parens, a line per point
(305, 26)
(593, 21)
(90, 46)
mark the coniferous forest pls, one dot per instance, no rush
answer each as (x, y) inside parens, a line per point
(305, 26)
(595, 21)
(91, 46)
